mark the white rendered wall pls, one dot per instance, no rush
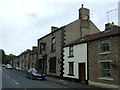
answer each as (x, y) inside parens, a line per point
(80, 56)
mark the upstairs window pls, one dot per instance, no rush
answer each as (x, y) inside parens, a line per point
(105, 69)
(53, 45)
(71, 51)
(42, 47)
(104, 45)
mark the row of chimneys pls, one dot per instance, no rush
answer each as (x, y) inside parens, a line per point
(33, 48)
(107, 26)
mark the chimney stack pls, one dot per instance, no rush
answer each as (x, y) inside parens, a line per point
(110, 26)
(34, 47)
(53, 28)
(83, 11)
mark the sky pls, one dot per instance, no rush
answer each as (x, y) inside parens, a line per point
(23, 22)
(119, 13)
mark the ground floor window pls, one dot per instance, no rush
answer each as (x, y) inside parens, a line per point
(52, 65)
(105, 69)
(18, 64)
(71, 68)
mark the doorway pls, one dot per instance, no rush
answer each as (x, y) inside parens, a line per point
(82, 72)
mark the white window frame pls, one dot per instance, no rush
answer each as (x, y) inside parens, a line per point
(103, 77)
(53, 44)
(71, 51)
(105, 45)
(71, 69)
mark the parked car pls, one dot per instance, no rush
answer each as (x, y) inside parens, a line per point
(3, 65)
(17, 68)
(8, 66)
(34, 73)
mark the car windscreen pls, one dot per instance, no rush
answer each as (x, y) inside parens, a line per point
(34, 70)
(37, 71)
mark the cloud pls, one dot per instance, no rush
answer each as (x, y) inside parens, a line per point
(32, 14)
(22, 22)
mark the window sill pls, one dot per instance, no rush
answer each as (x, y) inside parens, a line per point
(103, 53)
(71, 74)
(105, 78)
(70, 56)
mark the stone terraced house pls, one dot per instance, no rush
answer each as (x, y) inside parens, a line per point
(95, 58)
(26, 60)
(33, 57)
(23, 60)
(50, 47)
(104, 57)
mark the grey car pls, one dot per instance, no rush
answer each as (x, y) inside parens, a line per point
(8, 66)
(34, 73)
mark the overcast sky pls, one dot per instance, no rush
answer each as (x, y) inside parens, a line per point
(22, 22)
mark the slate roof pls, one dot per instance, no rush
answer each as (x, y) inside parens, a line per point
(115, 31)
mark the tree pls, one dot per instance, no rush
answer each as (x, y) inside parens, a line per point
(3, 56)
(7, 58)
(11, 58)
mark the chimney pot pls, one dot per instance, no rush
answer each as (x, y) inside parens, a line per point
(82, 5)
(34, 47)
(112, 22)
(109, 26)
(83, 11)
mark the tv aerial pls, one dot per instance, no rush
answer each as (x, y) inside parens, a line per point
(109, 12)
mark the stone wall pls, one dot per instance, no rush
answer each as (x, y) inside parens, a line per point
(95, 56)
(47, 40)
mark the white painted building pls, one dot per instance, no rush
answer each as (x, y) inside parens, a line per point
(75, 65)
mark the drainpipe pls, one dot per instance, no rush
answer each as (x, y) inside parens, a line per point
(87, 64)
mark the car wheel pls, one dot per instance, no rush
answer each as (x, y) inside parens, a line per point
(28, 77)
(32, 77)
(43, 78)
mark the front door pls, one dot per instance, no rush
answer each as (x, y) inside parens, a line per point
(82, 72)
(40, 64)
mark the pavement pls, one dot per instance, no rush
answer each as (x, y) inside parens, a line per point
(70, 84)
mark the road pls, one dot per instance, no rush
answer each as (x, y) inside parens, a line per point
(17, 79)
